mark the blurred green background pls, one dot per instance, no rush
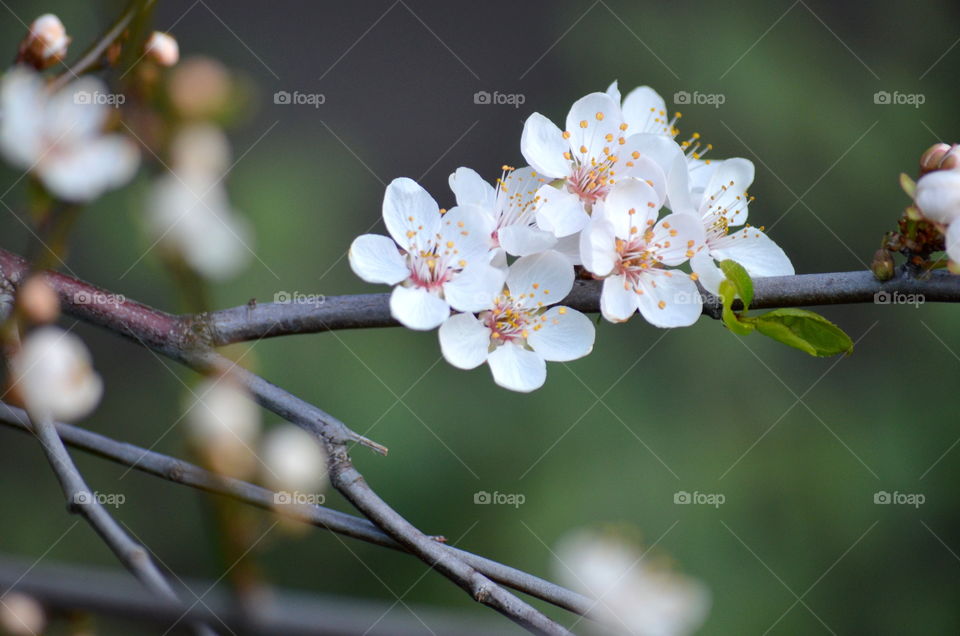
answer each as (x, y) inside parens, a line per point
(798, 446)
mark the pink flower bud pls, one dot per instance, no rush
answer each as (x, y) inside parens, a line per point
(162, 48)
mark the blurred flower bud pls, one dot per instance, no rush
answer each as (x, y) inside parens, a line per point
(224, 424)
(162, 48)
(37, 300)
(938, 196)
(200, 88)
(46, 43)
(940, 157)
(294, 460)
(54, 375)
(21, 615)
(883, 266)
(200, 151)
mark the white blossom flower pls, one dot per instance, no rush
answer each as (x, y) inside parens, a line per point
(520, 329)
(596, 150)
(46, 43)
(938, 198)
(59, 136)
(53, 374)
(626, 245)
(162, 48)
(223, 426)
(189, 210)
(511, 207)
(294, 460)
(442, 261)
(633, 595)
(723, 205)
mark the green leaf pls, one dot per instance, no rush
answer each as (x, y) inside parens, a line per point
(728, 292)
(737, 275)
(804, 330)
(909, 185)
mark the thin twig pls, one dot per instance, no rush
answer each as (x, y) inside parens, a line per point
(80, 500)
(182, 472)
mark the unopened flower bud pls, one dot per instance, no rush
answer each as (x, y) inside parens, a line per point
(200, 88)
(38, 301)
(294, 460)
(53, 375)
(21, 615)
(938, 196)
(46, 43)
(940, 157)
(163, 49)
(883, 266)
(224, 424)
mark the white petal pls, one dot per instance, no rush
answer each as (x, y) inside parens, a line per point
(411, 214)
(756, 251)
(560, 213)
(517, 369)
(569, 246)
(676, 238)
(590, 121)
(701, 171)
(953, 242)
(544, 278)
(728, 187)
(644, 111)
(465, 234)
(938, 196)
(671, 159)
(375, 259)
(464, 341)
(87, 170)
(633, 162)
(614, 92)
(632, 203)
(543, 146)
(475, 287)
(669, 299)
(598, 247)
(515, 199)
(22, 99)
(708, 274)
(469, 188)
(416, 308)
(618, 301)
(521, 240)
(565, 335)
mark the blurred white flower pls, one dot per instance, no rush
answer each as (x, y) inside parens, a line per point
(436, 261)
(189, 211)
(59, 136)
(518, 330)
(53, 375)
(46, 43)
(294, 460)
(633, 596)
(224, 426)
(626, 245)
(21, 615)
(162, 48)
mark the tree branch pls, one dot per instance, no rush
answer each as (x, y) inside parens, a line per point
(267, 320)
(80, 500)
(181, 472)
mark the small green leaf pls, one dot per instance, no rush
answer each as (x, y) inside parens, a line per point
(737, 275)
(728, 292)
(804, 330)
(909, 185)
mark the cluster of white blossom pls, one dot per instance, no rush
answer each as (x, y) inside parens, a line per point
(613, 194)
